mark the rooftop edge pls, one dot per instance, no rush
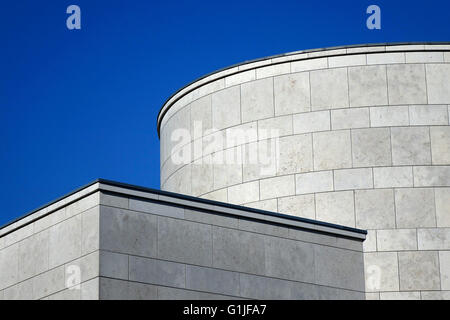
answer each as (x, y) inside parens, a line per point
(168, 103)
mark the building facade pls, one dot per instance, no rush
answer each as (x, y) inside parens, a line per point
(357, 136)
(109, 240)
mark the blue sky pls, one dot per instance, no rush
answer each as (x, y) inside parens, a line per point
(76, 105)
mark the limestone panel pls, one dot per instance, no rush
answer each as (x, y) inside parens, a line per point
(292, 94)
(406, 84)
(257, 100)
(415, 208)
(375, 209)
(332, 150)
(329, 89)
(367, 86)
(410, 146)
(419, 270)
(371, 147)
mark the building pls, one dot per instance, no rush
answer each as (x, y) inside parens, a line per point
(358, 136)
(272, 171)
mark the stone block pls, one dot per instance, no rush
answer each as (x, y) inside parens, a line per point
(238, 251)
(350, 118)
(345, 61)
(438, 83)
(349, 179)
(410, 146)
(128, 232)
(83, 204)
(244, 193)
(336, 207)
(442, 198)
(431, 176)
(381, 271)
(371, 147)
(227, 167)
(289, 259)
(332, 150)
(424, 57)
(396, 240)
(295, 154)
(309, 64)
(300, 206)
(202, 168)
(375, 209)
(435, 295)
(21, 291)
(257, 100)
(386, 58)
(406, 84)
(311, 122)
(329, 89)
(415, 208)
(391, 116)
(248, 132)
(419, 270)
(113, 200)
(226, 108)
(277, 187)
(147, 206)
(428, 115)
(405, 295)
(211, 218)
(314, 182)
(339, 268)
(157, 272)
(212, 280)
(367, 86)
(263, 228)
(240, 77)
(201, 115)
(113, 265)
(444, 262)
(433, 239)
(33, 255)
(165, 293)
(393, 177)
(90, 289)
(292, 94)
(87, 267)
(260, 159)
(184, 241)
(112, 289)
(273, 70)
(90, 230)
(370, 244)
(64, 241)
(275, 127)
(255, 287)
(49, 282)
(440, 145)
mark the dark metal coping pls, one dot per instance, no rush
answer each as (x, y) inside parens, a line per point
(158, 124)
(185, 197)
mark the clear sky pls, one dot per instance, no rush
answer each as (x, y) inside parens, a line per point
(76, 105)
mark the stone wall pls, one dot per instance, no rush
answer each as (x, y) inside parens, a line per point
(126, 242)
(357, 136)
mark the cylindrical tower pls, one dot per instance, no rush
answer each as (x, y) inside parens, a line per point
(357, 136)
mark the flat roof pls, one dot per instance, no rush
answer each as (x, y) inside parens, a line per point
(176, 199)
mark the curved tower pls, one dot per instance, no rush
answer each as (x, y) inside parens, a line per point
(357, 136)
